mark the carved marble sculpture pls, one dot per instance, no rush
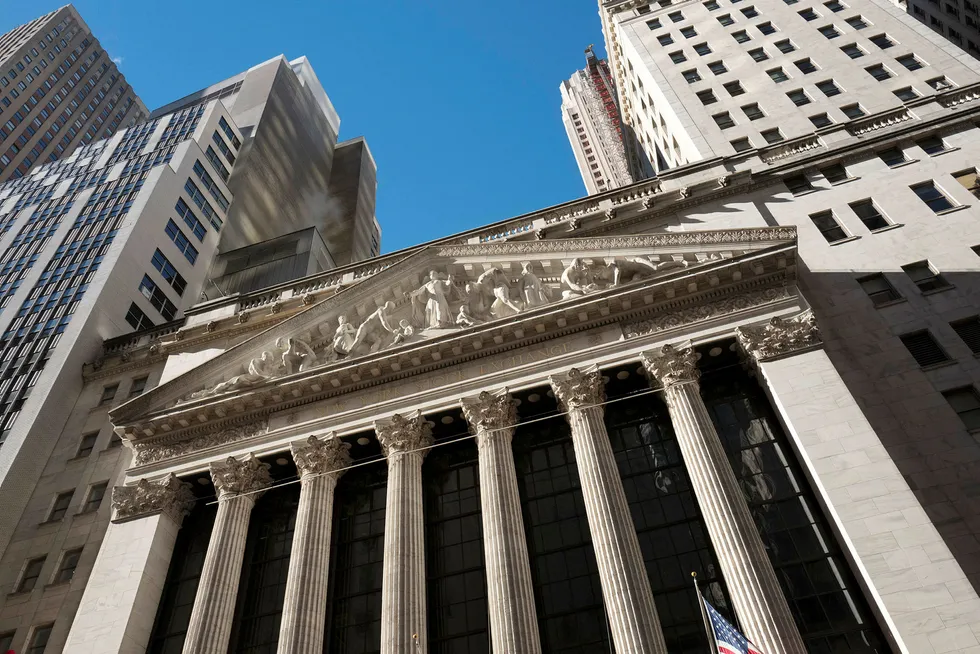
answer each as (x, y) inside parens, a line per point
(533, 293)
(297, 355)
(376, 328)
(430, 303)
(496, 288)
(343, 337)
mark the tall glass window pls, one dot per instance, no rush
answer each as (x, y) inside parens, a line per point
(262, 589)
(354, 605)
(457, 594)
(568, 595)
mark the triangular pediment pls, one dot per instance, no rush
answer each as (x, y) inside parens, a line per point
(447, 301)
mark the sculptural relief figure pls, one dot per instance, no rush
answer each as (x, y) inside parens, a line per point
(297, 355)
(533, 293)
(465, 318)
(430, 303)
(632, 269)
(259, 369)
(404, 332)
(375, 329)
(476, 301)
(497, 287)
(343, 337)
(577, 280)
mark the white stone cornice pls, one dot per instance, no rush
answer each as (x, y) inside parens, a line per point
(233, 477)
(401, 435)
(170, 497)
(579, 389)
(321, 456)
(672, 364)
(780, 337)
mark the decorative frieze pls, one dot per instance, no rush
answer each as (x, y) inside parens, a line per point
(578, 389)
(726, 306)
(320, 456)
(239, 477)
(170, 497)
(159, 450)
(780, 336)
(672, 365)
(399, 434)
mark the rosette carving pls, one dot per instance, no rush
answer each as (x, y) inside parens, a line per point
(237, 477)
(780, 336)
(672, 364)
(171, 496)
(320, 456)
(578, 389)
(490, 414)
(399, 434)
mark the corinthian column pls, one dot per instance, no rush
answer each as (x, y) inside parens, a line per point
(625, 586)
(513, 621)
(320, 462)
(405, 442)
(210, 623)
(759, 601)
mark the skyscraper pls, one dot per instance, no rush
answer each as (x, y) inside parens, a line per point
(958, 21)
(58, 89)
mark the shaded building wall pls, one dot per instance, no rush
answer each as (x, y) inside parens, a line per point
(352, 232)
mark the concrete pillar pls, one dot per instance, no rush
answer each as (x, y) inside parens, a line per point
(510, 594)
(405, 442)
(120, 601)
(626, 590)
(320, 462)
(237, 483)
(756, 595)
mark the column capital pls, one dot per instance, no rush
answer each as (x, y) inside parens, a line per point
(236, 477)
(673, 364)
(579, 389)
(399, 434)
(321, 456)
(780, 337)
(171, 497)
(491, 414)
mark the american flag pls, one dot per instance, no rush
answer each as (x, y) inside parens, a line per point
(728, 640)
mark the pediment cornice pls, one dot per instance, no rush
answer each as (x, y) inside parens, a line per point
(724, 262)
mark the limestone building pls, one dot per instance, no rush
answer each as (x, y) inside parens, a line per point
(58, 90)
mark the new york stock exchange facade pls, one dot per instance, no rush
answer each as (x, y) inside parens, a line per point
(514, 445)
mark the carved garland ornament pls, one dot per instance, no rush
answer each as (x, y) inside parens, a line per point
(321, 456)
(672, 364)
(579, 389)
(170, 497)
(705, 312)
(491, 414)
(145, 453)
(401, 435)
(780, 336)
(233, 477)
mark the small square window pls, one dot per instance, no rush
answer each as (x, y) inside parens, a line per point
(829, 31)
(138, 386)
(821, 120)
(932, 196)
(39, 639)
(711, 5)
(645, 9)
(766, 28)
(750, 12)
(829, 88)
(834, 6)
(853, 51)
(734, 88)
(665, 39)
(853, 111)
(799, 97)
(785, 46)
(689, 32)
(772, 135)
(869, 214)
(882, 41)
(741, 36)
(909, 61)
(654, 24)
(753, 111)
(879, 72)
(707, 97)
(940, 84)
(108, 394)
(691, 76)
(791, 2)
(857, 22)
(94, 498)
(924, 348)
(69, 561)
(808, 14)
(798, 184)
(834, 173)
(878, 289)
(931, 145)
(32, 572)
(969, 331)
(702, 49)
(806, 66)
(86, 445)
(678, 57)
(717, 67)
(777, 75)
(925, 277)
(758, 54)
(892, 156)
(676, 16)
(906, 94)
(726, 20)
(828, 226)
(741, 145)
(724, 120)
(966, 403)
(60, 506)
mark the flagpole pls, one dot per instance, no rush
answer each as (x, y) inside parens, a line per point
(704, 615)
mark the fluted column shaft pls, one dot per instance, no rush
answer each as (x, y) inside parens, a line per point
(403, 616)
(214, 606)
(626, 591)
(762, 609)
(320, 463)
(510, 594)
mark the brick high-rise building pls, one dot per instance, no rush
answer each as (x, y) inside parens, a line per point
(58, 89)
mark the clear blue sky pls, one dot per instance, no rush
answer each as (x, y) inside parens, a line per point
(459, 101)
